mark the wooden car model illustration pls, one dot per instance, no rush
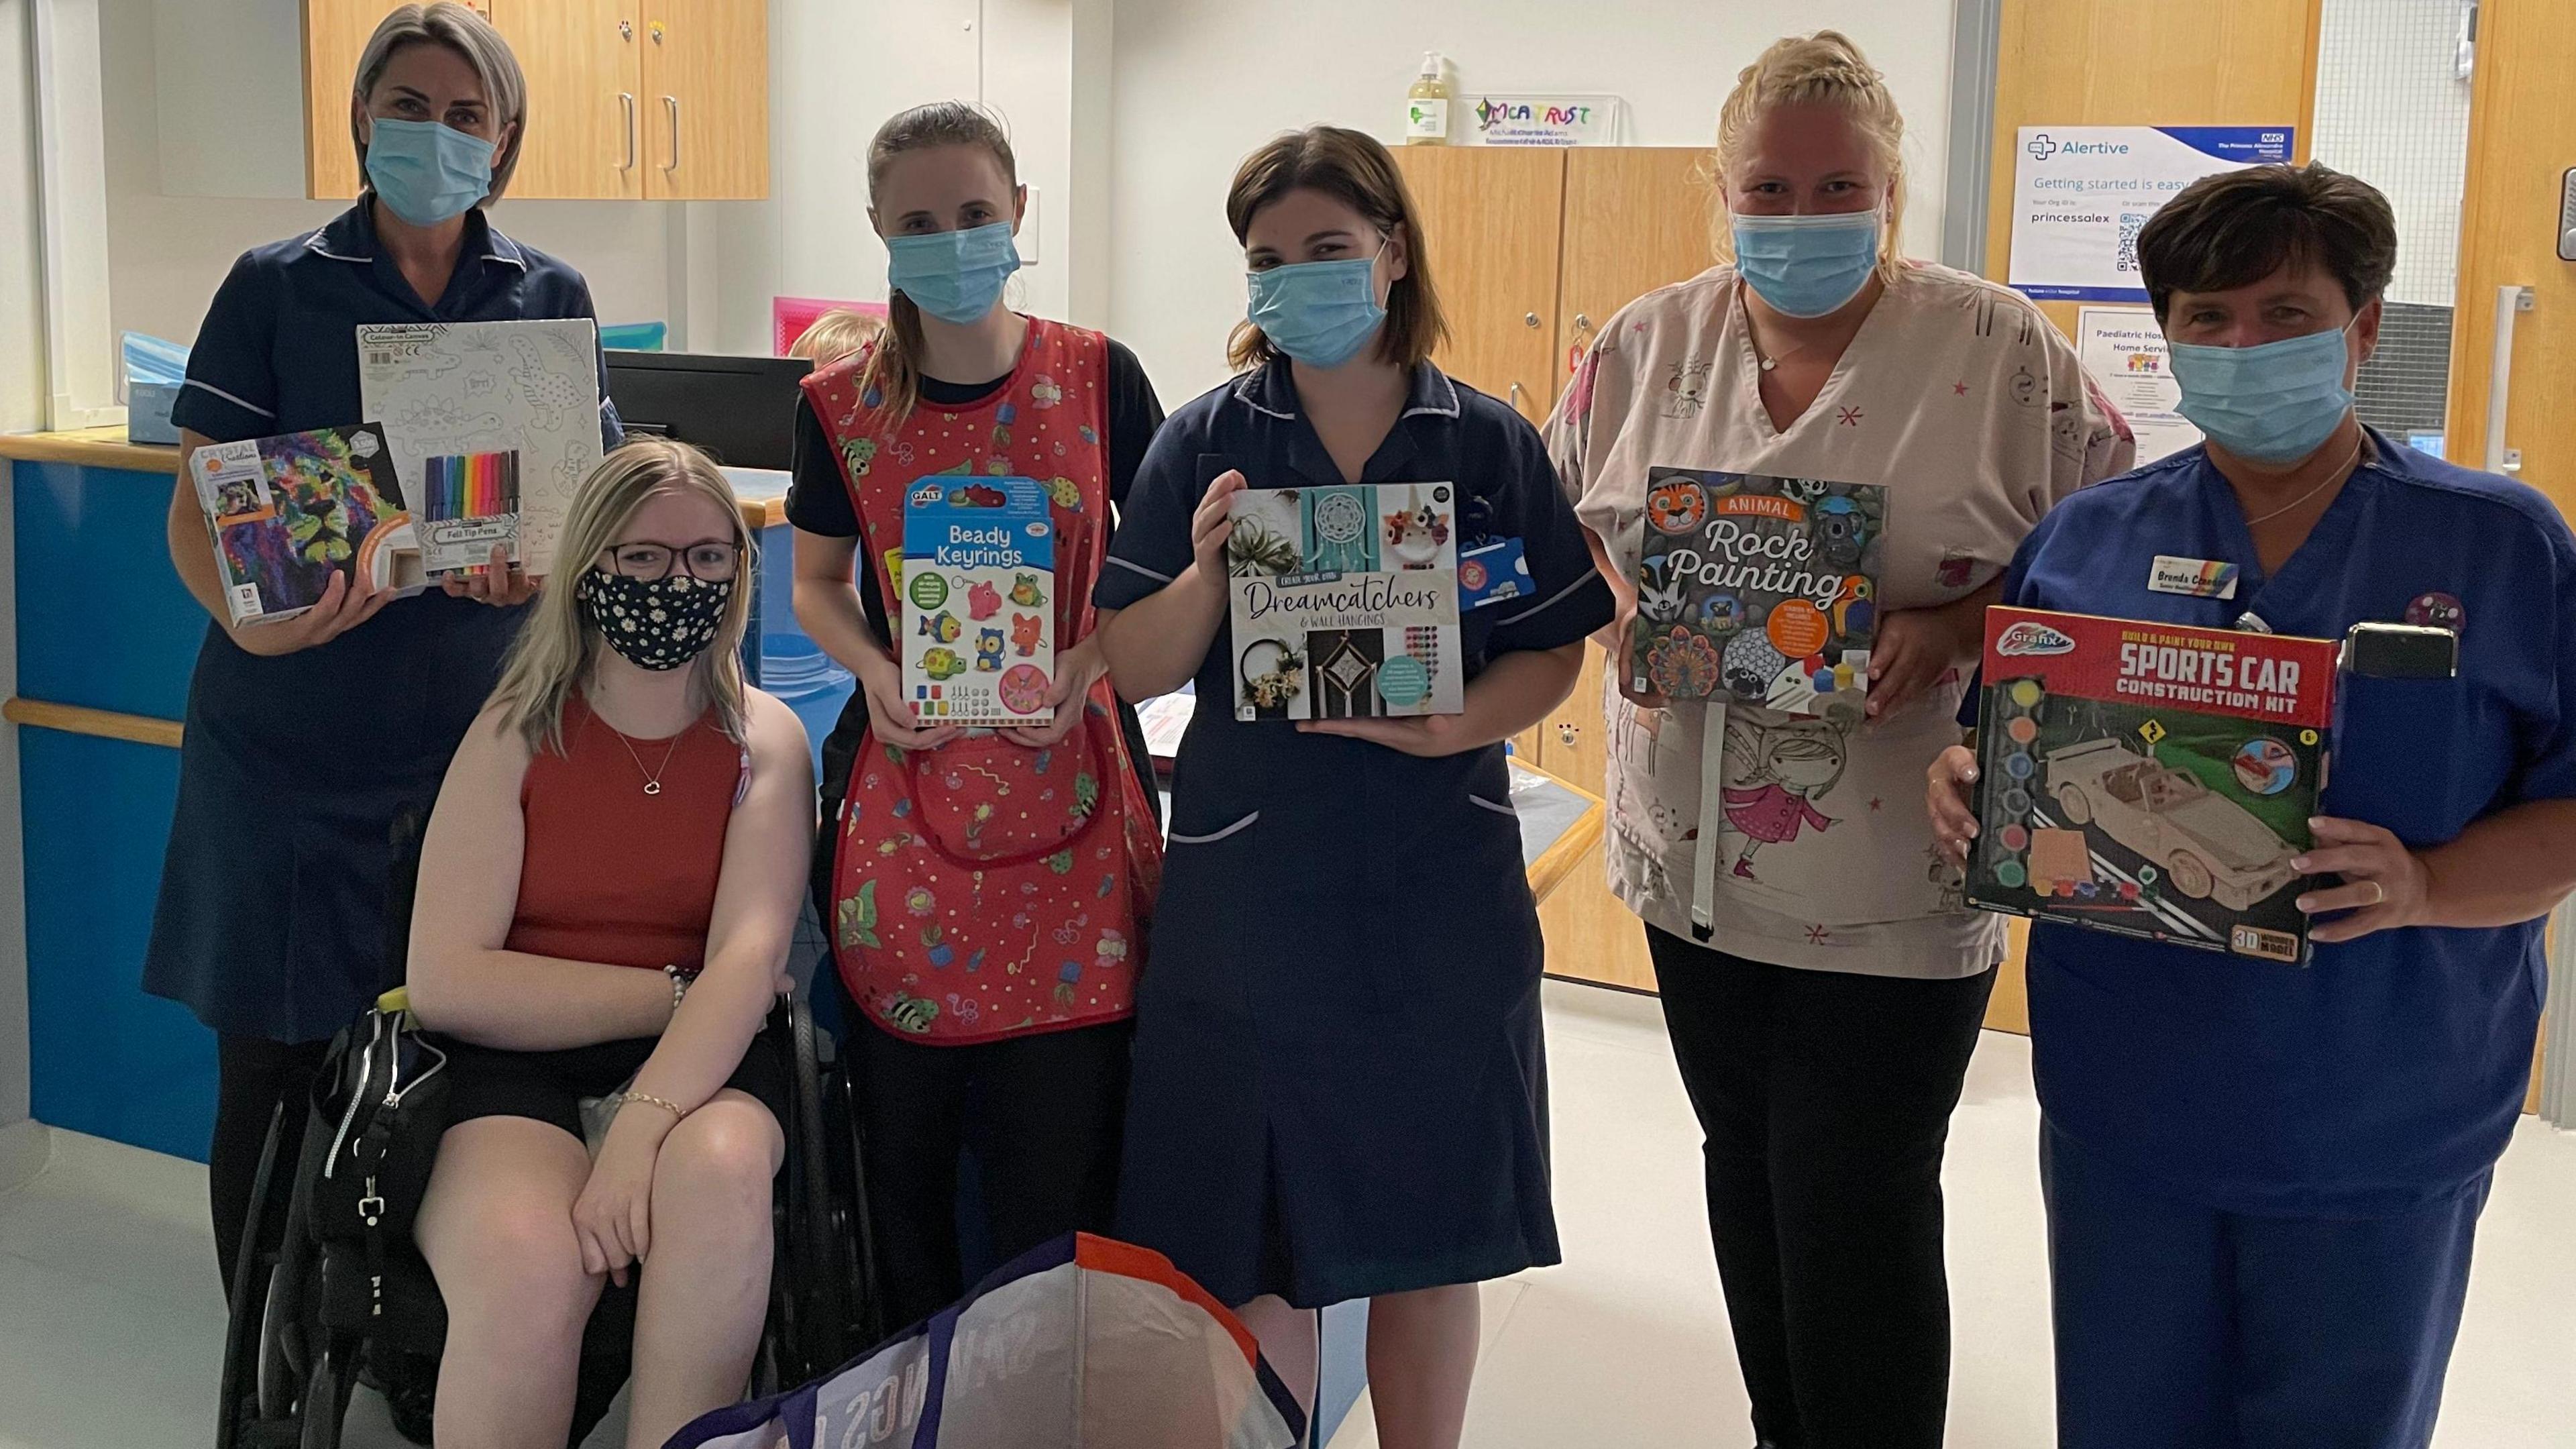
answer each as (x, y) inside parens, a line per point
(2206, 845)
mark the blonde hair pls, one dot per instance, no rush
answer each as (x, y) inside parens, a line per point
(1823, 69)
(557, 646)
(836, 334)
(893, 366)
(505, 87)
(1354, 169)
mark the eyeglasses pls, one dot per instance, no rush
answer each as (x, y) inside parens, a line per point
(708, 561)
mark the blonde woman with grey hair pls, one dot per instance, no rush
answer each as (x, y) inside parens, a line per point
(616, 863)
(307, 740)
(1821, 978)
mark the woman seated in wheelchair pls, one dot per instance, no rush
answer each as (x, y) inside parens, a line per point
(607, 893)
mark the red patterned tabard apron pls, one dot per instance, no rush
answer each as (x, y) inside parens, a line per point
(984, 889)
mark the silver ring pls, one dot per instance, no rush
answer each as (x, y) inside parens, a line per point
(2378, 894)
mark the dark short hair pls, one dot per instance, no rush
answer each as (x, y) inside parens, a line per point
(1352, 168)
(2238, 227)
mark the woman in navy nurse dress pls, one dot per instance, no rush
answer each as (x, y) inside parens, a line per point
(270, 924)
(1339, 1082)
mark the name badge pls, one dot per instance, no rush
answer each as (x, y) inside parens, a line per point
(1493, 573)
(2197, 578)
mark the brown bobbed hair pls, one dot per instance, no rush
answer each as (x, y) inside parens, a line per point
(2238, 227)
(1352, 168)
(893, 366)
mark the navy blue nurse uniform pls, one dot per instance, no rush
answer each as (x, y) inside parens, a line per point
(1340, 1087)
(270, 920)
(2263, 1180)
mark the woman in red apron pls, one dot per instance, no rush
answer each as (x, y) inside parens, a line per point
(985, 890)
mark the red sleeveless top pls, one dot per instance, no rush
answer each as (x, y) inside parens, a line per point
(610, 873)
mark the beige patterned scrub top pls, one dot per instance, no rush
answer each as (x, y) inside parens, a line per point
(1804, 842)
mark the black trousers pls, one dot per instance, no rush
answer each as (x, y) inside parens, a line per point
(1041, 1116)
(1826, 1100)
(252, 1076)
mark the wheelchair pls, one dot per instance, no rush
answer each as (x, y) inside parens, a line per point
(313, 1309)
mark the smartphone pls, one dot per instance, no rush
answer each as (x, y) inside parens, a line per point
(2400, 651)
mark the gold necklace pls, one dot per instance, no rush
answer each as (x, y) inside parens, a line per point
(2341, 470)
(652, 778)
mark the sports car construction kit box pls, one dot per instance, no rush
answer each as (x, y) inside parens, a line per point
(2150, 779)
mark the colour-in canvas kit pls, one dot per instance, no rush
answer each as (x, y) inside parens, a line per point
(978, 589)
(2150, 779)
(1345, 602)
(459, 389)
(1758, 590)
(290, 511)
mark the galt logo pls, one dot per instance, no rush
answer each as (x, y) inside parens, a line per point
(928, 495)
(2028, 637)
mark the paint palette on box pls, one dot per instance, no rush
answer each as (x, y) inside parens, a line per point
(1758, 590)
(2150, 779)
(1345, 602)
(978, 590)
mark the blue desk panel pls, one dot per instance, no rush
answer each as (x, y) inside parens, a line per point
(106, 1059)
(103, 620)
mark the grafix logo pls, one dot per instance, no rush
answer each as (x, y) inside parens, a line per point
(2041, 147)
(2030, 637)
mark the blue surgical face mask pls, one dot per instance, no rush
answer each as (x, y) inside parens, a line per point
(955, 276)
(1807, 266)
(428, 173)
(2275, 403)
(1320, 313)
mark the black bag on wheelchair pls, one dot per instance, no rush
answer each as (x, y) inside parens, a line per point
(382, 1096)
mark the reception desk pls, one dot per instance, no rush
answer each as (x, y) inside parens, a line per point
(107, 637)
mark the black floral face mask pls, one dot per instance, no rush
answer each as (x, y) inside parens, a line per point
(655, 624)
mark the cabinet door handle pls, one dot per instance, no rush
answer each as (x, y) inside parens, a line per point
(672, 104)
(1516, 396)
(2510, 301)
(1530, 320)
(626, 99)
(1582, 323)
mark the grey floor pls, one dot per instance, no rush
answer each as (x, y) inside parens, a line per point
(110, 1323)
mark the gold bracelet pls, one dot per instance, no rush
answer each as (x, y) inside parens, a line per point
(677, 1114)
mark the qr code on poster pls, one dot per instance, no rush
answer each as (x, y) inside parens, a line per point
(2130, 223)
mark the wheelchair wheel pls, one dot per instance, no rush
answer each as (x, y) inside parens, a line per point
(246, 1326)
(851, 1227)
(326, 1394)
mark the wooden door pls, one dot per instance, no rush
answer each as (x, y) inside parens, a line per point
(2522, 116)
(706, 97)
(2121, 63)
(586, 119)
(335, 35)
(1591, 934)
(1636, 218)
(1490, 218)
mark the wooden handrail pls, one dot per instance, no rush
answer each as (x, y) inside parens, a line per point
(78, 719)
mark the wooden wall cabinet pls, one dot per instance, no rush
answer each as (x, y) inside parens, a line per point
(1532, 251)
(634, 100)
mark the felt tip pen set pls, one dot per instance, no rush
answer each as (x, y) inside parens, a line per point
(469, 504)
(978, 588)
(2150, 779)
(1345, 599)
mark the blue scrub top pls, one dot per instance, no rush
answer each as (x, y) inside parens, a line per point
(2388, 1073)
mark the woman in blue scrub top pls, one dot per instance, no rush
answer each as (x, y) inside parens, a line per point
(2262, 1181)
(306, 739)
(1339, 1086)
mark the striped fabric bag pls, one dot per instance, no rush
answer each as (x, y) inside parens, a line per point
(1085, 1343)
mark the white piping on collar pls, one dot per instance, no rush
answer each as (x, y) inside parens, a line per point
(1560, 597)
(314, 245)
(1134, 567)
(228, 397)
(1243, 395)
(499, 248)
(1450, 411)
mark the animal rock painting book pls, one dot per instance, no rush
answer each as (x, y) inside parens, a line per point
(1758, 590)
(457, 389)
(2150, 779)
(978, 587)
(290, 511)
(1345, 602)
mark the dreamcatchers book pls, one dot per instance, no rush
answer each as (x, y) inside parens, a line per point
(1345, 602)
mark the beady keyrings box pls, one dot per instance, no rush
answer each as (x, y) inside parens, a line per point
(978, 587)
(2150, 779)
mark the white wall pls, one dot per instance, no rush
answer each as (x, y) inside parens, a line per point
(1197, 84)
(167, 253)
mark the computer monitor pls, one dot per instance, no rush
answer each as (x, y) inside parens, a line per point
(742, 410)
